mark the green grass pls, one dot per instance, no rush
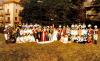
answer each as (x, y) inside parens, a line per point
(55, 51)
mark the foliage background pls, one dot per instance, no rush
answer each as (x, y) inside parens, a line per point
(47, 12)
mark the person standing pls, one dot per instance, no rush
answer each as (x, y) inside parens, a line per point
(80, 34)
(84, 33)
(43, 35)
(6, 34)
(72, 32)
(95, 36)
(90, 34)
(55, 35)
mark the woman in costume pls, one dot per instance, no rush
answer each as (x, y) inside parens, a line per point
(43, 35)
(90, 34)
(95, 36)
(55, 35)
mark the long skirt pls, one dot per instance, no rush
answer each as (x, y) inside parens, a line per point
(65, 40)
(90, 39)
(54, 38)
(6, 36)
(95, 37)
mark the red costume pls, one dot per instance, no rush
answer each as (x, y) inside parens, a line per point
(90, 31)
(43, 36)
(90, 35)
(63, 32)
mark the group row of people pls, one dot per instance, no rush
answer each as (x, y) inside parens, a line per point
(79, 33)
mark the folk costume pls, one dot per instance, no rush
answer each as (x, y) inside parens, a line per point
(84, 33)
(95, 36)
(90, 34)
(65, 39)
(43, 35)
(55, 34)
(6, 34)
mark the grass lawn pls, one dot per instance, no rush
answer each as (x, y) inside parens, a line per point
(55, 51)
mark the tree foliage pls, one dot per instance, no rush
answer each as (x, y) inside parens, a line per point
(50, 11)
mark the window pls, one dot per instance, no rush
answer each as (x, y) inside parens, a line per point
(15, 18)
(16, 10)
(8, 19)
(16, 4)
(20, 11)
(7, 10)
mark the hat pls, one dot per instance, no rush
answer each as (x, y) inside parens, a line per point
(95, 26)
(59, 26)
(6, 26)
(75, 25)
(89, 25)
(84, 26)
(72, 25)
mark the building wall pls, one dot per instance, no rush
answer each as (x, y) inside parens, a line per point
(8, 10)
(90, 10)
(12, 0)
(1, 14)
(11, 12)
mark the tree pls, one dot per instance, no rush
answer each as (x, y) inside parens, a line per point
(50, 11)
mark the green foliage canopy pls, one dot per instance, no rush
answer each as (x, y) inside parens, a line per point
(50, 11)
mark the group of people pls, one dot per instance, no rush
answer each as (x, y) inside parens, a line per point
(79, 33)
